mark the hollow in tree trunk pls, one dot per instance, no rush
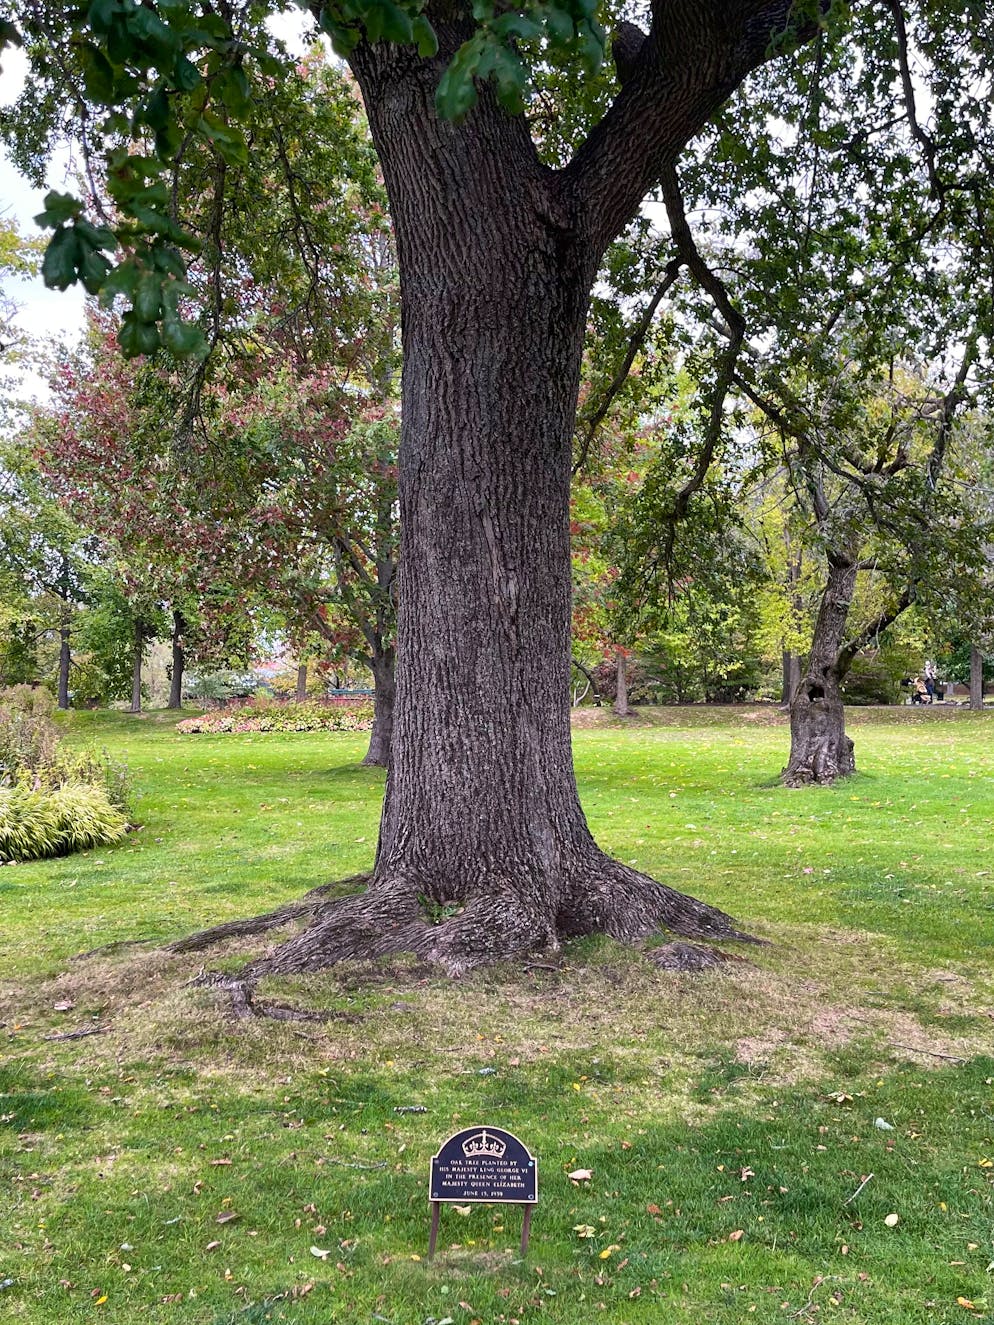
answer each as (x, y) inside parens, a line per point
(178, 663)
(384, 696)
(137, 658)
(820, 750)
(976, 678)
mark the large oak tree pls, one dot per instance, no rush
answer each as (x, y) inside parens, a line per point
(499, 247)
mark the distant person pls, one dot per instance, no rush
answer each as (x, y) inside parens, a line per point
(929, 678)
(919, 692)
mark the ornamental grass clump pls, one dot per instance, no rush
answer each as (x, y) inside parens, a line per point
(52, 801)
(73, 817)
(311, 716)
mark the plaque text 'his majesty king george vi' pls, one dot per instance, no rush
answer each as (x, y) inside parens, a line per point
(484, 1164)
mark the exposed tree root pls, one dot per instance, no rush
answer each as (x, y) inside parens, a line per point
(243, 1002)
(116, 946)
(283, 915)
(504, 919)
(689, 957)
(614, 899)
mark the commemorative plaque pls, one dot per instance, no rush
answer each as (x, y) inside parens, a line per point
(483, 1166)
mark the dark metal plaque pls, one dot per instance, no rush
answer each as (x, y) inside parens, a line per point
(484, 1164)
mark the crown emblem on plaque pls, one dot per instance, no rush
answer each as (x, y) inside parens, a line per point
(482, 1143)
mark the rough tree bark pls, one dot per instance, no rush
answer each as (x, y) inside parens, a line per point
(481, 820)
(301, 692)
(976, 678)
(820, 750)
(384, 697)
(791, 678)
(137, 658)
(65, 660)
(620, 706)
(179, 661)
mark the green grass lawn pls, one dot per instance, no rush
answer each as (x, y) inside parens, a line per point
(185, 1166)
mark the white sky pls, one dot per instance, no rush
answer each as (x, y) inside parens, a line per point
(42, 312)
(54, 314)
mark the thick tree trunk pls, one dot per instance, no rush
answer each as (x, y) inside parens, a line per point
(301, 691)
(179, 661)
(976, 678)
(138, 657)
(65, 660)
(820, 750)
(384, 696)
(484, 850)
(620, 706)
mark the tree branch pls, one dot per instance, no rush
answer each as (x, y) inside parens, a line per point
(695, 55)
(593, 421)
(879, 624)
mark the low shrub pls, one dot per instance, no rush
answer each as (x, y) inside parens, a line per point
(28, 737)
(52, 800)
(337, 715)
(54, 822)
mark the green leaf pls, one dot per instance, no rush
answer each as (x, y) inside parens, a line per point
(559, 25)
(397, 26)
(186, 75)
(235, 90)
(93, 271)
(424, 34)
(456, 94)
(59, 208)
(148, 297)
(96, 236)
(226, 138)
(137, 337)
(102, 14)
(62, 257)
(99, 75)
(121, 280)
(156, 110)
(515, 26)
(184, 339)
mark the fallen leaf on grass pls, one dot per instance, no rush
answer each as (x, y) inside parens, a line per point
(212, 1246)
(227, 1216)
(581, 1175)
(320, 1253)
(584, 1230)
(609, 1251)
(892, 1221)
(737, 1235)
(965, 1302)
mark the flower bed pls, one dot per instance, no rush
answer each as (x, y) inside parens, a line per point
(337, 716)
